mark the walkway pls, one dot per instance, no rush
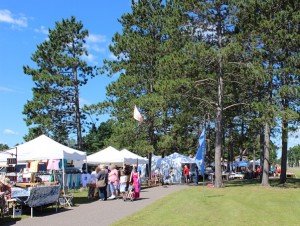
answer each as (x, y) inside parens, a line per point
(100, 212)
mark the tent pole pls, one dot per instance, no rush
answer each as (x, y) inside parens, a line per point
(63, 166)
(86, 166)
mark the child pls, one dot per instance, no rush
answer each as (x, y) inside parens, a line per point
(131, 192)
(123, 184)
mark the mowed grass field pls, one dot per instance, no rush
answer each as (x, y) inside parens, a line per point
(239, 203)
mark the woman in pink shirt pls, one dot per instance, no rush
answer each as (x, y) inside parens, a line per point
(113, 181)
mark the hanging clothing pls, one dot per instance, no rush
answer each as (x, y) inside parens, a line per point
(34, 166)
(53, 164)
(60, 164)
(85, 178)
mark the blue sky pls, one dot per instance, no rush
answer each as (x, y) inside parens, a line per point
(23, 26)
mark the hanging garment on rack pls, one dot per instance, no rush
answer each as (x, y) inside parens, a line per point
(85, 178)
(34, 166)
(53, 164)
(60, 164)
(77, 180)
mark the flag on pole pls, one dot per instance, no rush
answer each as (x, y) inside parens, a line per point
(137, 115)
(200, 155)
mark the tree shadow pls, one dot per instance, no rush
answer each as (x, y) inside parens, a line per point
(274, 182)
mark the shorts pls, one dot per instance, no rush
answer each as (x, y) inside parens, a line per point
(122, 187)
(113, 187)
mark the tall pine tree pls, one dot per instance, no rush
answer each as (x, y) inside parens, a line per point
(54, 109)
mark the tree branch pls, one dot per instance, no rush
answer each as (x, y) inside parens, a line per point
(233, 105)
(203, 80)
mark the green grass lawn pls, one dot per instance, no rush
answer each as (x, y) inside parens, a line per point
(239, 203)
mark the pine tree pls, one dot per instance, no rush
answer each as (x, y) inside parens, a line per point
(223, 55)
(54, 109)
(274, 30)
(151, 63)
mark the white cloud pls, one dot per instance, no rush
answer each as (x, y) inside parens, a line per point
(93, 38)
(90, 58)
(83, 102)
(97, 48)
(10, 132)
(5, 89)
(112, 56)
(16, 21)
(42, 30)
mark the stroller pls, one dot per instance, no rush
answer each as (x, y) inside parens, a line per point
(130, 193)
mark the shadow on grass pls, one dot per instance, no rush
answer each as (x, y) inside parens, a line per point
(274, 182)
(81, 200)
(290, 183)
(214, 196)
(235, 183)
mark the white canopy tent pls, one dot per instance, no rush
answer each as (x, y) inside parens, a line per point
(132, 158)
(4, 155)
(42, 148)
(112, 155)
(105, 156)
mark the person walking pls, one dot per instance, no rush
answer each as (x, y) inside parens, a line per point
(166, 175)
(186, 173)
(113, 180)
(134, 179)
(102, 174)
(196, 175)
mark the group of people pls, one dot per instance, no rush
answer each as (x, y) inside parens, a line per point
(116, 182)
(188, 174)
(166, 176)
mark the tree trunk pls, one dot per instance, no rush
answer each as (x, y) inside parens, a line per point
(284, 140)
(149, 165)
(262, 150)
(77, 112)
(218, 145)
(219, 118)
(254, 157)
(265, 171)
(208, 137)
(230, 149)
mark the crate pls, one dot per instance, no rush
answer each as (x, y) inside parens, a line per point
(18, 212)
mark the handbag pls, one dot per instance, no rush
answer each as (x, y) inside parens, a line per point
(100, 183)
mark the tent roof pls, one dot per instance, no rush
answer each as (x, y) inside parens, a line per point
(105, 156)
(181, 158)
(112, 155)
(44, 147)
(132, 158)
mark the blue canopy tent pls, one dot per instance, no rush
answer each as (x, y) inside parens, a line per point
(240, 164)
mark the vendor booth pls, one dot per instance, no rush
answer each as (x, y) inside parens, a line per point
(45, 184)
(175, 160)
(110, 155)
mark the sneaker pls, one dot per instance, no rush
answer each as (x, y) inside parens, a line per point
(112, 197)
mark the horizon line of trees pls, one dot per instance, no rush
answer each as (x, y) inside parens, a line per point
(229, 66)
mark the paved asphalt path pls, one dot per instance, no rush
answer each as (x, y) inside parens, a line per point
(100, 212)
